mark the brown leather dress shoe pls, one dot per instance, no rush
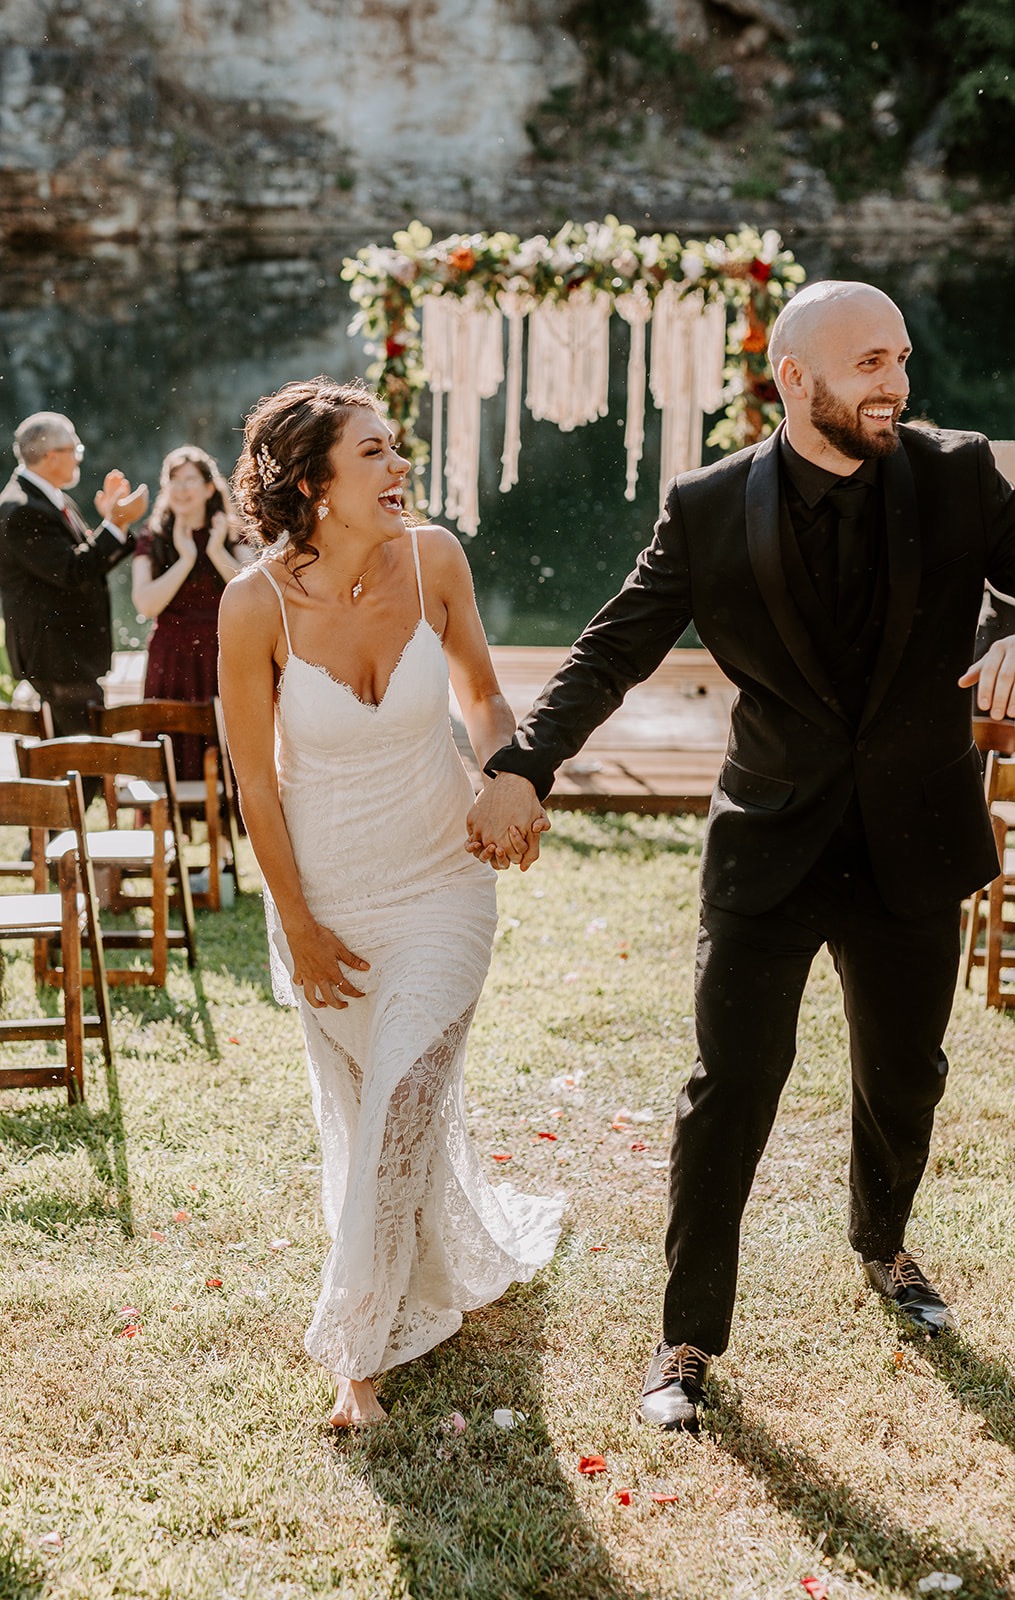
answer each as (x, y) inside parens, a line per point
(672, 1391)
(903, 1283)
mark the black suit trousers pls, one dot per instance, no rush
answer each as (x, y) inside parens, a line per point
(898, 979)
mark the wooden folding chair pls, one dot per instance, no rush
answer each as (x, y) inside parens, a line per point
(20, 721)
(154, 853)
(211, 798)
(69, 916)
(1000, 789)
(999, 736)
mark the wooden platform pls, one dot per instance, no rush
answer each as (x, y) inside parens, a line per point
(660, 751)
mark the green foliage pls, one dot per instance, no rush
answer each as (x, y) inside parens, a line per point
(869, 79)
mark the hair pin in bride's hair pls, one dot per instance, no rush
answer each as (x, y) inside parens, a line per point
(268, 468)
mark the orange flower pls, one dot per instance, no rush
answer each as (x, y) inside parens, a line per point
(462, 258)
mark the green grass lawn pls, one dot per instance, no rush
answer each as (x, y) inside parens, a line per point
(192, 1460)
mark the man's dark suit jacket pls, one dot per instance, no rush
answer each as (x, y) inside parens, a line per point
(53, 587)
(795, 757)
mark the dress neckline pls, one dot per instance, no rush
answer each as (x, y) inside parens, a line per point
(340, 683)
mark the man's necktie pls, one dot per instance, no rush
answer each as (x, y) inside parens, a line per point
(852, 587)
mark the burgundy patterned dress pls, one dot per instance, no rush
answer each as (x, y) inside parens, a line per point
(183, 646)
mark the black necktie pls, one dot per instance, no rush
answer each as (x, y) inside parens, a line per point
(852, 565)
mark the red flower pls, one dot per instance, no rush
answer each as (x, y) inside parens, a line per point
(760, 271)
(393, 347)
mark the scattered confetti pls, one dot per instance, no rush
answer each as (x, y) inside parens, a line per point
(51, 1541)
(213, 1283)
(588, 1466)
(664, 1497)
(279, 1244)
(940, 1580)
(815, 1588)
(504, 1418)
(502, 1155)
(181, 1216)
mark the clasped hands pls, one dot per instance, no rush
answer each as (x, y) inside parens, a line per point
(505, 823)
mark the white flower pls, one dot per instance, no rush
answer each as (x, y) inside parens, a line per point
(691, 266)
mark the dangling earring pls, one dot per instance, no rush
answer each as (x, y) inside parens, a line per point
(322, 510)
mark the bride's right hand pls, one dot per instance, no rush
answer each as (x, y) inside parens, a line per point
(319, 957)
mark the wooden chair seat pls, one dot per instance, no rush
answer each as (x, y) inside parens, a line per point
(154, 855)
(68, 917)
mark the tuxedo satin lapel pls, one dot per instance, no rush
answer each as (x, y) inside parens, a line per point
(902, 536)
(762, 518)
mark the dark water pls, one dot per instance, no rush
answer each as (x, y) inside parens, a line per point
(147, 355)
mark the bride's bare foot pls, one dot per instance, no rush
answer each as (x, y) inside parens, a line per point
(356, 1405)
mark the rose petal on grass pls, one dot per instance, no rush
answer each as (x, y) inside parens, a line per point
(131, 1313)
(588, 1466)
(639, 1144)
(502, 1155)
(130, 1331)
(51, 1541)
(233, 1039)
(622, 1496)
(455, 1423)
(213, 1283)
(279, 1244)
(181, 1216)
(664, 1497)
(159, 1237)
(945, 1581)
(815, 1587)
(594, 1247)
(552, 1137)
(899, 1357)
(505, 1418)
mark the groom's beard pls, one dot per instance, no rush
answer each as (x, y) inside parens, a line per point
(842, 426)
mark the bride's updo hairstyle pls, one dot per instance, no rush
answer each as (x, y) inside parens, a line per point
(286, 440)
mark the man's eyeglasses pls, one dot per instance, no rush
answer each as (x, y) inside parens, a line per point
(78, 449)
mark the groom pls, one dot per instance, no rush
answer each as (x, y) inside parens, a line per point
(835, 572)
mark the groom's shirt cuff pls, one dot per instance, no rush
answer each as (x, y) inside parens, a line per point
(525, 763)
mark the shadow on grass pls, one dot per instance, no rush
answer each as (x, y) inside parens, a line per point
(978, 1383)
(485, 1514)
(60, 1128)
(848, 1526)
(149, 1003)
(21, 1575)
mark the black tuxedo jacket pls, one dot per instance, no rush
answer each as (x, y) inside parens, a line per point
(795, 757)
(53, 587)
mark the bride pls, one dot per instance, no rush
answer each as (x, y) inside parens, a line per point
(336, 649)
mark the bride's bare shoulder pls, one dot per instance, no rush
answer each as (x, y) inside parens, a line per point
(249, 599)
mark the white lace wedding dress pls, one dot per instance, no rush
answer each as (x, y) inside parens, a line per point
(375, 799)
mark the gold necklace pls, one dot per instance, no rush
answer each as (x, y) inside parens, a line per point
(357, 588)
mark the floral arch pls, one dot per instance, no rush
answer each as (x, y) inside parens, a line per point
(434, 313)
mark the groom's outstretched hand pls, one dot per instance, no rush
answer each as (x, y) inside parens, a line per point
(506, 821)
(994, 676)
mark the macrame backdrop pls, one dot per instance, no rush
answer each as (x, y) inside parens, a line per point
(568, 379)
(698, 316)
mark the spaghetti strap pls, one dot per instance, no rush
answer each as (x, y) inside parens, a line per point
(419, 575)
(285, 621)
